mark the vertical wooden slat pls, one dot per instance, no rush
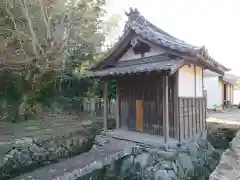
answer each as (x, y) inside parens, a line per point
(195, 117)
(130, 108)
(105, 105)
(195, 81)
(166, 121)
(198, 115)
(192, 109)
(204, 108)
(124, 104)
(150, 115)
(183, 116)
(188, 118)
(176, 107)
(172, 119)
(120, 113)
(201, 114)
(163, 104)
(205, 111)
(139, 115)
(117, 107)
(159, 106)
(179, 120)
(182, 120)
(191, 116)
(197, 110)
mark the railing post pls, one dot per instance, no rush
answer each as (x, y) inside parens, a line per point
(105, 106)
(117, 107)
(166, 120)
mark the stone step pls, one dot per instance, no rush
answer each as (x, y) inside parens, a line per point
(83, 164)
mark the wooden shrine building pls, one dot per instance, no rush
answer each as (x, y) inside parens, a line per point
(159, 81)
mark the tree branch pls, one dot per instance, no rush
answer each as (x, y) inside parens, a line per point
(46, 22)
(15, 26)
(34, 37)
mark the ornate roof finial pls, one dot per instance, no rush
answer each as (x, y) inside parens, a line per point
(132, 14)
(203, 50)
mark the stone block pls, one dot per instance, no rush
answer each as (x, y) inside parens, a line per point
(23, 143)
(101, 140)
(193, 148)
(175, 168)
(202, 143)
(126, 164)
(161, 175)
(210, 148)
(184, 164)
(168, 155)
(36, 149)
(144, 160)
(165, 165)
(172, 175)
(39, 157)
(5, 148)
(21, 156)
(148, 173)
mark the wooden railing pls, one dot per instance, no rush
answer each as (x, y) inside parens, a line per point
(192, 116)
(96, 106)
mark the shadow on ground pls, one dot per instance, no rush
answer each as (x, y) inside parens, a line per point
(222, 127)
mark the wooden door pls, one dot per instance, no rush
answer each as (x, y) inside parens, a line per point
(139, 115)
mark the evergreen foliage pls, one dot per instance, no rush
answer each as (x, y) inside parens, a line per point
(45, 46)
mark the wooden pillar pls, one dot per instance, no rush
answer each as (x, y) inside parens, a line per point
(117, 107)
(195, 81)
(166, 120)
(176, 107)
(105, 105)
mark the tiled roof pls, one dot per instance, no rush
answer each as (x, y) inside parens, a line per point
(156, 35)
(229, 79)
(150, 32)
(147, 64)
(145, 30)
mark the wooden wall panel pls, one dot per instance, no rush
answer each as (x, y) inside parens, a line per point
(192, 116)
(150, 89)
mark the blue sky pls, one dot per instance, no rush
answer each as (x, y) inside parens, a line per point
(215, 24)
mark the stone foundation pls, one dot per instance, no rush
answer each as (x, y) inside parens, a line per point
(194, 159)
(119, 159)
(229, 166)
(27, 154)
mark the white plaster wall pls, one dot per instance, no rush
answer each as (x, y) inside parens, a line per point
(212, 86)
(236, 96)
(186, 81)
(229, 90)
(220, 86)
(229, 94)
(199, 82)
(129, 55)
(232, 93)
